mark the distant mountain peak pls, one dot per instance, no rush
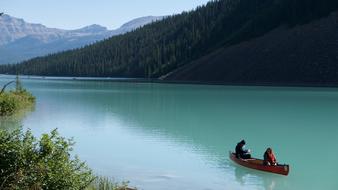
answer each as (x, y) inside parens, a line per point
(93, 28)
(141, 21)
(7, 17)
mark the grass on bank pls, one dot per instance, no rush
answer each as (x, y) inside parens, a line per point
(11, 102)
(15, 100)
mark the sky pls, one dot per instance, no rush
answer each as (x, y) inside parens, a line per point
(73, 14)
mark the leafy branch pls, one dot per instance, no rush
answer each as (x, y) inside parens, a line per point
(4, 87)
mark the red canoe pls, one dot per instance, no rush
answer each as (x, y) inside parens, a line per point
(257, 164)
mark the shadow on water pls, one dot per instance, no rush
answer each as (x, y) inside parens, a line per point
(253, 179)
(248, 177)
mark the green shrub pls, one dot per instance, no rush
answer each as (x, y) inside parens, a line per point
(28, 163)
(103, 183)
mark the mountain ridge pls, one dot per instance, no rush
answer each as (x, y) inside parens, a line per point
(213, 40)
(16, 32)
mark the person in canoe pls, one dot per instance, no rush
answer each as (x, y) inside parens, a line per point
(269, 158)
(241, 152)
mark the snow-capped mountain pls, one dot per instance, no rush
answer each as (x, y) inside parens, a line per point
(20, 40)
(12, 29)
(138, 22)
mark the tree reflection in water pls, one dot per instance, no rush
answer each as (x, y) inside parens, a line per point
(15, 121)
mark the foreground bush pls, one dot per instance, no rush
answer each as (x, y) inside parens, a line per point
(32, 164)
(28, 163)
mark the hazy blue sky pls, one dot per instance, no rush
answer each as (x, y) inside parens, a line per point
(70, 14)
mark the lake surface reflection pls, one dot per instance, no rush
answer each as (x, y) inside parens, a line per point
(168, 136)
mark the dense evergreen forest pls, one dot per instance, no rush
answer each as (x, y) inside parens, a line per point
(164, 46)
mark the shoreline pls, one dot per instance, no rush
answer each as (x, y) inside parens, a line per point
(161, 81)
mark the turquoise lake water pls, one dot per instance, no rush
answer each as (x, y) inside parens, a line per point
(177, 137)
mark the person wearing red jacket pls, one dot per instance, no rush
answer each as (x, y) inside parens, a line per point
(269, 158)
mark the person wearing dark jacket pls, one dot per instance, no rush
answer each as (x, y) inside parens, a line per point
(241, 152)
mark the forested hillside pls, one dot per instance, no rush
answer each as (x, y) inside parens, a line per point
(303, 55)
(166, 46)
